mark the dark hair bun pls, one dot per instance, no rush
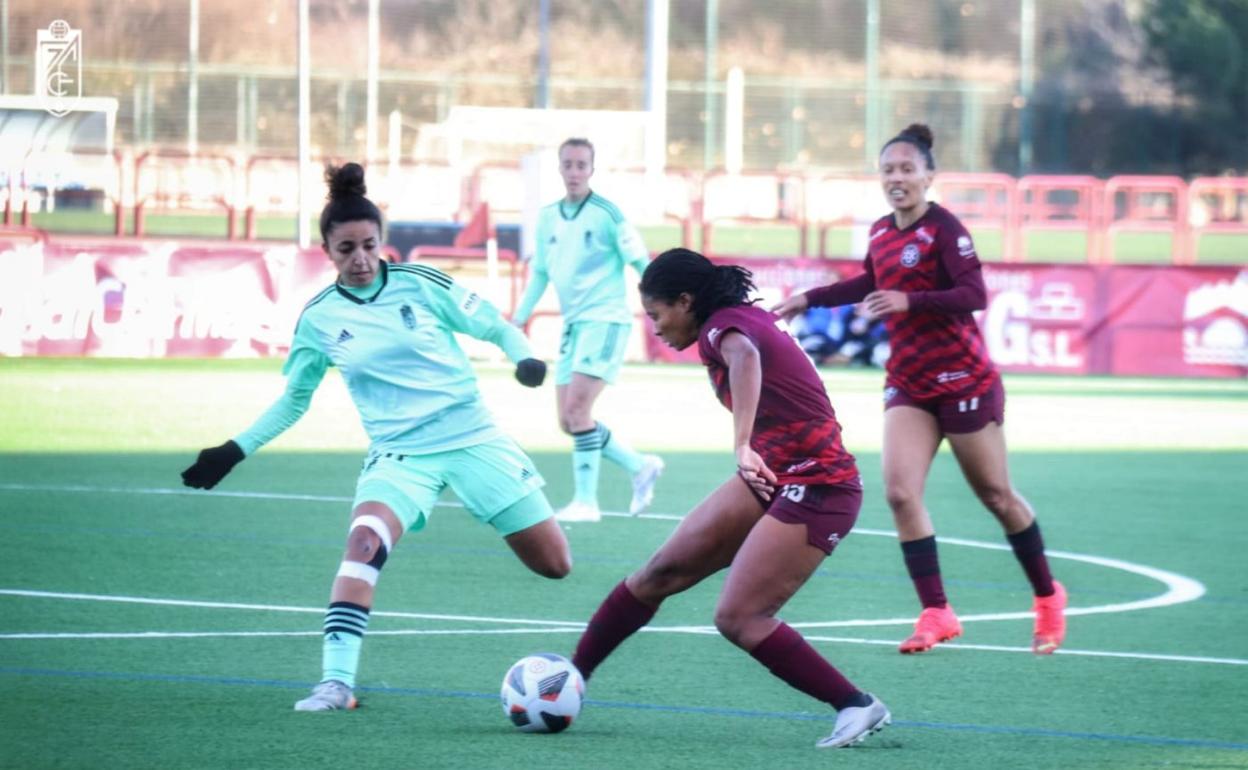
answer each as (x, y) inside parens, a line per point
(919, 133)
(345, 180)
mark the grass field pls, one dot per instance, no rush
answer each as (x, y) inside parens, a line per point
(145, 625)
(760, 240)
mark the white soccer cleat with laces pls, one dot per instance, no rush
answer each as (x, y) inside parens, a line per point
(328, 696)
(643, 483)
(854, 724)
(579, 511)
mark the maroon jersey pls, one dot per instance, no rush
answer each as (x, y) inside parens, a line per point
(795, 429)
(934, 354)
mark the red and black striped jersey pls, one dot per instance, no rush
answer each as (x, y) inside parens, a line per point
(934, 354)
(795, 429)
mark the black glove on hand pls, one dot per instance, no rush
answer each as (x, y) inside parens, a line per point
(531, 372)
(212, 465)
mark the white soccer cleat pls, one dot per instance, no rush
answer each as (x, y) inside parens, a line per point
(643, 483)
(854, 724)
(579, 511)
(331, 695)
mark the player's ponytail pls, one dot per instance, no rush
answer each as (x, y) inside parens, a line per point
(682, 271)
(347, 201)
(918, 135)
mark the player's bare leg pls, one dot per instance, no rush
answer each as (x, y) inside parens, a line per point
(911, 437)
(575, 402)
(703, 543)
(982, 455)
(373, 533)
(776, 560)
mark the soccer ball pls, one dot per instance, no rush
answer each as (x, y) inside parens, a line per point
(542, 693)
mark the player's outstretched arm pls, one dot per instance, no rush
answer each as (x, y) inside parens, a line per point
(212, 465)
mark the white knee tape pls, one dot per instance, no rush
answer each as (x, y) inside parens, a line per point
(376, 525)
(359, 571)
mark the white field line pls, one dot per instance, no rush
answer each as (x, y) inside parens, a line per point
(550, 629)
(1179, 588)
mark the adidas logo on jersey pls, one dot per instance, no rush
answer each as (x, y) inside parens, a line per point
(344, 336)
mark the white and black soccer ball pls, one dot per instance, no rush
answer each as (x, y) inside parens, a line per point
(542, 693)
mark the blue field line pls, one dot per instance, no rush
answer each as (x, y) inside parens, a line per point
(424, 692)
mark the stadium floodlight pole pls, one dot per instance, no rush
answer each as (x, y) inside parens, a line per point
(304, 126)
(1026, 81)
(657, 15)
(712, 120)
(374, 65)
(872, 128)
(543, 55)
(192, 87)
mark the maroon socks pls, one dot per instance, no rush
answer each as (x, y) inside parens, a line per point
(618, 617)
(787, 655)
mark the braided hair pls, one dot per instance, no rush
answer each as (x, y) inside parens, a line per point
(346, 198)
(682, 271)
(919, 136)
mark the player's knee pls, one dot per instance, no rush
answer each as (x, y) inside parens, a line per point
(368, 547)
(731, 623)
(998, 499)
(659, 579)
(555, 566)
(902, 498)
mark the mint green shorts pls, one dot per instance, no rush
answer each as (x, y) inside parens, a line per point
(594, 348)
(489, 478)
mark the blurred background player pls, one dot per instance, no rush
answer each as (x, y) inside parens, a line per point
(583, 244)
(389, 330)
(794, 497)
(924, 279)
(842, 336)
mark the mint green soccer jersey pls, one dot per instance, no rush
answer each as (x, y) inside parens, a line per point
(583, 250)
(394, 344)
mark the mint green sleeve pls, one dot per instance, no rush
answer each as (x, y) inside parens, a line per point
(467, 312)
(539, 277)
(630, 247)
(305, 367)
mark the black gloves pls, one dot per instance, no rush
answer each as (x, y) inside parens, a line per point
(531, 372)
(214, 463)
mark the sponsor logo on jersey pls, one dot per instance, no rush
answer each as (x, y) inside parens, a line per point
(951, 376)
(798, 467)
(910, 255)
(409, 318)
(923, 235)
(344, 336)
(878, 233)
(965, 247)
(470, 304)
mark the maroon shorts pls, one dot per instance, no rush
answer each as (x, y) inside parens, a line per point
(828, 510)
(956, 415)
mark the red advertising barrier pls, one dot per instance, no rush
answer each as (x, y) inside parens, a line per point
(150, 298)
(1075, 319)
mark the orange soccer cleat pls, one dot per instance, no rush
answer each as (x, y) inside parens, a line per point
(1050, 621)
(935, 625)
